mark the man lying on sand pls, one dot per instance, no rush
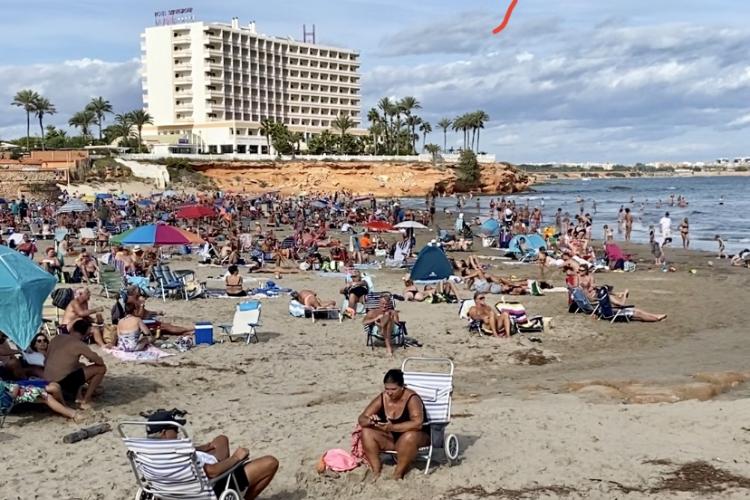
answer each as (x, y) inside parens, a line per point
(252, 478)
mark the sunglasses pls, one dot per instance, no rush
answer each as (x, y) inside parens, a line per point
(45, 341)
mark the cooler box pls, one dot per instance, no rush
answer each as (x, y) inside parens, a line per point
(204, 333)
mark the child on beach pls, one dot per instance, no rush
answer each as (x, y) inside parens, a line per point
(656, 249)
(722, 247)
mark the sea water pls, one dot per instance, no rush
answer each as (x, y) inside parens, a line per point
(716, 205)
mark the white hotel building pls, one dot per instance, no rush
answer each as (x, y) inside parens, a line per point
(209, 85)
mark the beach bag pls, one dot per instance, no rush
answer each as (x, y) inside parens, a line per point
(338, 460)
(296, 309)
(61, 297)
(628, 266)
(534, 288)
(516, 310)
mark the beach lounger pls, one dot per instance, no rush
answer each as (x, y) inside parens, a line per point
(86, 236)
(435, 388)
(111, 281)
(580, 303)
(373, 334)
(245, 323)
(168, 285)
(475, 325)
(168, 469)
(610, 312)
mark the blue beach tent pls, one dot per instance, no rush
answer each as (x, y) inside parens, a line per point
(431, 265)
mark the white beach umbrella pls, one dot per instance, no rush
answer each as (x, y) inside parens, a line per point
(410, 224)
(73, 205)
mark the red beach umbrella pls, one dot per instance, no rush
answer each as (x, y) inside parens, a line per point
(195, 212)
(379, 226)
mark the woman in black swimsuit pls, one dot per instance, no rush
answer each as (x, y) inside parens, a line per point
(394, 420)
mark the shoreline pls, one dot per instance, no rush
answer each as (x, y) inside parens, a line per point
(542, 177)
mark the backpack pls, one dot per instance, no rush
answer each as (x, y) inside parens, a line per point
(117, 312)
(61, 297)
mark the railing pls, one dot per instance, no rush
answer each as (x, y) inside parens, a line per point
(422, 158)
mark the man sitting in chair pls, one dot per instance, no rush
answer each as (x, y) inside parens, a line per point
(252, 478)
(386, 319)
(498, 322)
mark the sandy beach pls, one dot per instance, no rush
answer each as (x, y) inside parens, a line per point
(570, 428)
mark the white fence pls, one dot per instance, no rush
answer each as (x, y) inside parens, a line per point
(423, 158)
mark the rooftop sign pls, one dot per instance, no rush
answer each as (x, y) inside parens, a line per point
(174, 16)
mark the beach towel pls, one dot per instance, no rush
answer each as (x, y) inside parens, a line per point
(270, 290)
(149, 355)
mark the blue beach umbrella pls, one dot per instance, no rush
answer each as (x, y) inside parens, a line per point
(145, 203)
(491, 227)
(24, 286)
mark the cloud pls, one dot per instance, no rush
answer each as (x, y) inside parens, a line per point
(628, 92)
(69, 85)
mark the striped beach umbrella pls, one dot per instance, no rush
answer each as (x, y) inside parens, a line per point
(159, 235)
(72, 206)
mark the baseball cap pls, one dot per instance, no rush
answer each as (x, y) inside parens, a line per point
(163, 416)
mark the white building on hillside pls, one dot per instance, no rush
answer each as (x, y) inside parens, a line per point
(209, 85)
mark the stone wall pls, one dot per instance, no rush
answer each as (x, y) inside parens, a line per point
(33, 183)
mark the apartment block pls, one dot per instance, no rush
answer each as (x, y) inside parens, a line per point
(208, 86)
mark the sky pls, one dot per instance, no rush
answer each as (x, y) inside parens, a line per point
(567, 81)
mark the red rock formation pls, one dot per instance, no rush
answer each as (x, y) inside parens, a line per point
(378, 178)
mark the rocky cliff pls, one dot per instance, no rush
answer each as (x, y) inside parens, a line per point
(378, 178)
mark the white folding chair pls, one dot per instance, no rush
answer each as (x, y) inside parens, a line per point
(435, 388)
(168, 469)
(245, 323)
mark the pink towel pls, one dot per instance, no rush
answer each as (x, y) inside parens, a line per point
(339, 460)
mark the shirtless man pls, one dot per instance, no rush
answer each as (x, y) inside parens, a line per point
(88, 266)
(79, 309)
(497, 321)
(628, 224)
(64, 367)
(309, 299)
(386, 319)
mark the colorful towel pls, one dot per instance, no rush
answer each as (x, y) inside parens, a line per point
(149, 355)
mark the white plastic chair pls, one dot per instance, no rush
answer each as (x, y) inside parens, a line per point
(246, 320)
(167, 469)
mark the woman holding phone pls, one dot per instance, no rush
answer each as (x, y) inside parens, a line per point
(394, 421)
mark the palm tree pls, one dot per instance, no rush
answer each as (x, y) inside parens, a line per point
(296, 138)
(445, 124)
(139, 118)
(376, 130)
(343, 123)
(266, 129)
(42, 107)
(413, 121)
(425, 128)
(386, 106)
(100, 106)
(83, 120)
(433, 149)
(459, 123)
(407, 105)
(25, 99)
(481, 117)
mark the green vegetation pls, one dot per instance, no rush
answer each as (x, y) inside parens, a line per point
(93, 114)
(468, 169)
(183, 175)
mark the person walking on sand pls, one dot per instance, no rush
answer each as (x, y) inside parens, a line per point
(628, 224)
(665, 225)
(722, 248)
(685, 233)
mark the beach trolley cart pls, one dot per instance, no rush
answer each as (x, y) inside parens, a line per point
(246, 320)
(435, 387)
(167, 469)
